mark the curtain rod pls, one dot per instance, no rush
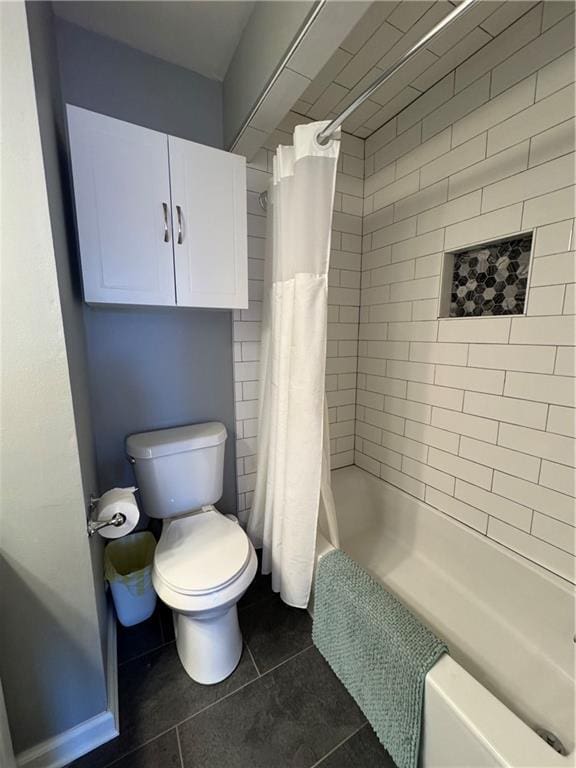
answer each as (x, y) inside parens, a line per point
(327, 133)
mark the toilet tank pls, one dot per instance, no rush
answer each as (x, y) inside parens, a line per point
(178, 470)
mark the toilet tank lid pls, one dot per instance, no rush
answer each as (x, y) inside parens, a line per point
(165, 442)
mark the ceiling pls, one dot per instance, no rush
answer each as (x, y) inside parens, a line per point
(385, 32)
(201, 36)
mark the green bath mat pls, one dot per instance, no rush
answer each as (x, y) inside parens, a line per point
(380, 651)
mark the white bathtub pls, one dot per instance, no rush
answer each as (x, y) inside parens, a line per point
(508, 623)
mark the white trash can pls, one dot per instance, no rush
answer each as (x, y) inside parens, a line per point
(128, 569)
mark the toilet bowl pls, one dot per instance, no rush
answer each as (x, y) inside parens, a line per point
(204, 562)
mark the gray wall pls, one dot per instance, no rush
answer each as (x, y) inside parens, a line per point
(51, 660)
(51, 118)
(150, 368)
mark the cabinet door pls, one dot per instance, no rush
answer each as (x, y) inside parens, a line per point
(122, 191)
(209, 222)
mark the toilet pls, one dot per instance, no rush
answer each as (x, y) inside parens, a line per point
(204, 562)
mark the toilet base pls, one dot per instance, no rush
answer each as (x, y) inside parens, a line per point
(210, 646)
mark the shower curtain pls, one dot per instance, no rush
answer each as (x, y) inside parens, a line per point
(293, 469)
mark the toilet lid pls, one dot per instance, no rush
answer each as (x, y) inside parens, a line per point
(201, 553)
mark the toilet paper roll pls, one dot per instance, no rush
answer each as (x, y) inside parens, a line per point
(117, 500)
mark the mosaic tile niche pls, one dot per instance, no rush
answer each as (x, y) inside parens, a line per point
(491, 279)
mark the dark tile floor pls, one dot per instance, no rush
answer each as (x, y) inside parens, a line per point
(281, 708)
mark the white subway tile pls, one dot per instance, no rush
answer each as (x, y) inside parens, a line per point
(505, 15)
(429, 266)
(382, 313)
(424, 309)
(462, 156)
(545, 48)
(555, 206)
(444, 397)
(396, 191)
(374, 434)
(386, 386)
(428, 475)
(426, 103)
(532, 359)
(478, 474)
(558, 477)
(531, 183)
(457, 509)
(387, 421)
(423, 245)
(507, 409)
(378, 258)
(464, 207)
(494, 168)
(495, 506)
(505, 221)
(438, 438)
(423, 288)
(543, 330)
(423, 331)
(555, 75)
(546, 301)
(463, 424)
(427, 151)
(495, 111)
(544, 114)
(407, 409)
(422, 372)
(367, 463)
(562, 420)
(421, 201)
(382, 454)
(554, 238)
(499, 49)
(382, 178)
(473, 41)
(398, 147)
(557, 448)
(393, 273)
(554, 532)
(449, 354)
(402, 481)
(405, 446)
(462, 104)
(549, 557)
(557, 269)
(546, 389)
(555, 142)
(565, 361)
(482, 330)
(505, 459)
(546, 500)
(474, 379)
(402, 230)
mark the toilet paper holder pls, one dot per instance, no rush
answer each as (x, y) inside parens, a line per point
(94, 526)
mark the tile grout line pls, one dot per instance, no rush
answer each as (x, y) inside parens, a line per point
(208, 706)
(253, 660)
(340, 744)
(179, 747)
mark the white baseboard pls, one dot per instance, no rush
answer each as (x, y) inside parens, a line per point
(75, 742)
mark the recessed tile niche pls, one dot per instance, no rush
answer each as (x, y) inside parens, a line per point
(489, 279)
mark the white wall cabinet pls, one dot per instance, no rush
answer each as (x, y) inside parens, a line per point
(161, 221)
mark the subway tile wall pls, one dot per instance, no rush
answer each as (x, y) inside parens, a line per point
(343, 309)
(475, 416)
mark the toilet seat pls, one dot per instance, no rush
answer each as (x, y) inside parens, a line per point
(201, 553)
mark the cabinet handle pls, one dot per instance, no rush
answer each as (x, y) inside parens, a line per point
(179, 214)
(166, 230)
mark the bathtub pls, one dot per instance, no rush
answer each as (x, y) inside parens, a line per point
(509, 625)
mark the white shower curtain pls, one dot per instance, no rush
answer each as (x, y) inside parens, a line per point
(293, 447)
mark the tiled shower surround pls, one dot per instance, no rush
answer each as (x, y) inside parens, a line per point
(472, 415)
